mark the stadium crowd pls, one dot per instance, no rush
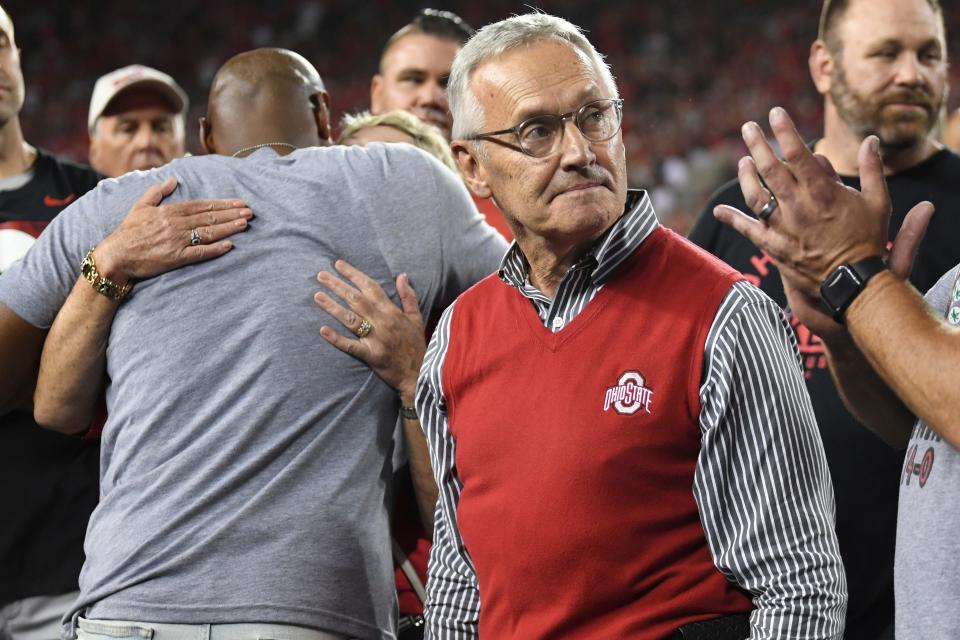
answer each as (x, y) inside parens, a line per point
(690, 75)
(625, 339)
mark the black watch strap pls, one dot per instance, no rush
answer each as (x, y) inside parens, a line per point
(846, 282)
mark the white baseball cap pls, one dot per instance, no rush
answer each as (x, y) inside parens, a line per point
(116, 82)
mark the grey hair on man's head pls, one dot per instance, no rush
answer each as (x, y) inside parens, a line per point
(496, 39)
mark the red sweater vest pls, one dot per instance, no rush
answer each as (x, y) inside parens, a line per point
(577, 452)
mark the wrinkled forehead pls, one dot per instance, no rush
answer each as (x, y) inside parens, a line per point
(420, 50)
(545, 76)
(906, 21)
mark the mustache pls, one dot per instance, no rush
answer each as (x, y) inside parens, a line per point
(915, 97)
(590, 173)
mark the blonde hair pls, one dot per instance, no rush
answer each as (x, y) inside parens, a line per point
(425, 136)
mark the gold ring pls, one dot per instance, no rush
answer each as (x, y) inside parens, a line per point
(364, 329)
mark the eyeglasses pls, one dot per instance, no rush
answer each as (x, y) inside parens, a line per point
(540, 136)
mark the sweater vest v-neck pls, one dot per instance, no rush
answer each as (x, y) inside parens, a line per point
(577, 452)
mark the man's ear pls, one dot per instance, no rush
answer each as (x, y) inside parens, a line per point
(472, 171)
(321, 114)
(206, 136)
(821, 66)
(376, 94)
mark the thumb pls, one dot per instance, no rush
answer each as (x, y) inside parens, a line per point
(155, 193)
(408, 297)
(908, 239)
(872, 183)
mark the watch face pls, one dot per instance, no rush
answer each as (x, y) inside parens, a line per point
(839, 289)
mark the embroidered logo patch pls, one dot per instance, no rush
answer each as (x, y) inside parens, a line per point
(953, 311)
(629, 395)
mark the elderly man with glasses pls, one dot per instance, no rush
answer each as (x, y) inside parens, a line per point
(618, 425)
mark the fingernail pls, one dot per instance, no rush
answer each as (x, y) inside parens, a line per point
(242, 222)
(227, 245)
(777, 114)
(238, 203)
(874, 144)
(749, 129)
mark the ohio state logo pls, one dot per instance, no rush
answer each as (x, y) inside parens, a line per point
(629, 395)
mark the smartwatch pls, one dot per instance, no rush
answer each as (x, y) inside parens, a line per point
(846, 282)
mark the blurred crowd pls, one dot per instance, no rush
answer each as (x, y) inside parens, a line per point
(690, 76)
(211, 461)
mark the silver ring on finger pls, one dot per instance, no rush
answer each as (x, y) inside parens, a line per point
(364, 329)
(768, 208)
(194, 237)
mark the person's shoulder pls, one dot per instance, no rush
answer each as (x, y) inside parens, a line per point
(484, 287)
(944, 165)
(178, 167)
(481, 296)
(947, 156)
(78, 175)
(131, 185)
(694, 256)
(389, 161)
(942, 292)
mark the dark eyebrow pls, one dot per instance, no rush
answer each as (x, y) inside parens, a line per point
(406, 71)
(125, 120)
(899, 44)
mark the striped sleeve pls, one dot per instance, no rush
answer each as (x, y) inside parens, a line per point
(762, 485)
(452, 609)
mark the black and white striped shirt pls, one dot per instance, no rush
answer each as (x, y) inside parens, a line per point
(761, 482)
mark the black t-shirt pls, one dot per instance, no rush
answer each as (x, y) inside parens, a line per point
(865, 471)
(49, 480)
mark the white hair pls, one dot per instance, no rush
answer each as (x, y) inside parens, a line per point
(496, 39)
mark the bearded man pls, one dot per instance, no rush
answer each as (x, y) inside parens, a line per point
(881, 67)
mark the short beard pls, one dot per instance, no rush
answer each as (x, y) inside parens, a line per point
(865, 116)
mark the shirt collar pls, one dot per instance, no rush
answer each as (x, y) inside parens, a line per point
(608, 251)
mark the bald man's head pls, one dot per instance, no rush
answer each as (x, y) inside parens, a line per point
(265, 95)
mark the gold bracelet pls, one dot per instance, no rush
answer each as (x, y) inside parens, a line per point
(106, 286)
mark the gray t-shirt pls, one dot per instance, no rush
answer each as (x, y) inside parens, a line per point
(245, 461)
(927, 569)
